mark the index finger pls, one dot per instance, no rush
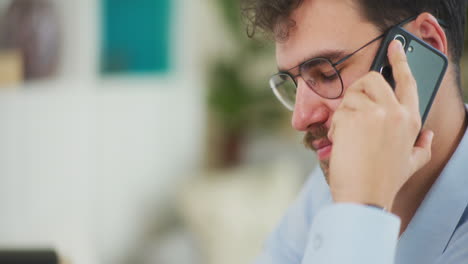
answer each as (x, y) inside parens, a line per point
(406, 89)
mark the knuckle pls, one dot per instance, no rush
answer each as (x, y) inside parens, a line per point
(409, 80)
(403, 116)
(356, 86)
(350, 93)
(413, 82)
(415, 123)
(375, 76)
(380, 113)
(373, 82)
(400, 116)
(402, 59)
(379, 82)
(428, 154)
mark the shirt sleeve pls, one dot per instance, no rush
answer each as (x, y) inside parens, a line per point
(352, 234)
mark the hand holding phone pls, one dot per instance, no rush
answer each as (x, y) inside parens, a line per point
(374, 128)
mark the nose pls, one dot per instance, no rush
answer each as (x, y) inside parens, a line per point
(310, 108)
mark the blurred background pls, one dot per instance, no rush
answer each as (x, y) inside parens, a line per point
(141, 131)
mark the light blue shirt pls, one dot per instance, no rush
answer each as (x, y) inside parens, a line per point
(317, 231)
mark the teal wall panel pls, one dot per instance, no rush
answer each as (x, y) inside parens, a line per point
(135, 36)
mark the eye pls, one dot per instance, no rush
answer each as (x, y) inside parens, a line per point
(330, 76)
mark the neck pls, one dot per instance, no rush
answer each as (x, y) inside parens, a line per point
(451, 122)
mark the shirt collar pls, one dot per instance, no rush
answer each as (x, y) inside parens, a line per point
(436, 219)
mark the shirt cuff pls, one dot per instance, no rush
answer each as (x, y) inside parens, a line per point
(352, 233)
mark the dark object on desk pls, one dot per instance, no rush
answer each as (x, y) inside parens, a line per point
(22, 256)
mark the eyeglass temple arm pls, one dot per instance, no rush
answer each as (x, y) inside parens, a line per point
(404, 22)
(361, 48)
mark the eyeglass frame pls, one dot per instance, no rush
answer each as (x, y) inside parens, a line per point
(334, 65)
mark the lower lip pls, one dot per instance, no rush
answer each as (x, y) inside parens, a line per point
(324, 153)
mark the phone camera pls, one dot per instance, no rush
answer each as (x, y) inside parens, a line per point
(401, 39)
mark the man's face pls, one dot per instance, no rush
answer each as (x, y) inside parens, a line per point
(325, 27)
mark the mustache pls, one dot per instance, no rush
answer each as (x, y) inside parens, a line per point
(317, 132)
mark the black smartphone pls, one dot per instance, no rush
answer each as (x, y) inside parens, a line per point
(428, 65)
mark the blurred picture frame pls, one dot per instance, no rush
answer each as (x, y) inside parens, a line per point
(11, 68)
(30, 40)
(135, 37)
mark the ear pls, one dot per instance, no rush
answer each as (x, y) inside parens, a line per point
(427, 28)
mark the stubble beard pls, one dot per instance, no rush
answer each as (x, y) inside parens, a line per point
(318, 132)
(325, 165)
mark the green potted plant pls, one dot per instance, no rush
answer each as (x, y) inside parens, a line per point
(239, 98)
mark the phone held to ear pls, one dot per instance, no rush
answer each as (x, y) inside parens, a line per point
(427, 64)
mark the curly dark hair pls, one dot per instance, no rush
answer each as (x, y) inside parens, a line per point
(270, 16)
(273, 17)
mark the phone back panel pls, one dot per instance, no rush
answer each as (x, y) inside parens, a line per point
(428, 66)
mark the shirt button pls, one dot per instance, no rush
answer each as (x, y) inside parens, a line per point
(317, 242)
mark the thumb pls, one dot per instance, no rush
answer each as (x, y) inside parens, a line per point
(422, 149)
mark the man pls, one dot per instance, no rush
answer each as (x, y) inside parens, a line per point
(391, 190)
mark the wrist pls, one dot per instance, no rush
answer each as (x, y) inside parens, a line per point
(367, 201)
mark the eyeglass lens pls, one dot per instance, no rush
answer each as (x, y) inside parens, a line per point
(319, 75)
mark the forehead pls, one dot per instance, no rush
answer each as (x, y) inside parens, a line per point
(322, 26)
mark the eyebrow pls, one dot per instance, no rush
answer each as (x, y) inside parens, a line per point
(332, 55)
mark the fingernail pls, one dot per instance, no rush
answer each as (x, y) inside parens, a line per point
(400, 46)
(431, 135)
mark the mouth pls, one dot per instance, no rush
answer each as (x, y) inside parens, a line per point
(317, 140)
(323, 147)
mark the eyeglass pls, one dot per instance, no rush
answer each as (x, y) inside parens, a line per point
(320, 74)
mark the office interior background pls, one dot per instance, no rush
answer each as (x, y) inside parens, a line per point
(141, 131)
